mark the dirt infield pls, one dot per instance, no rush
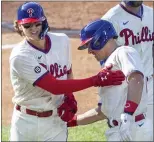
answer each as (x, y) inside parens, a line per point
(69, 15)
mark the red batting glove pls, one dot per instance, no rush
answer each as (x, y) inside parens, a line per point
(73, 122)
(68, 109)
(107, 77)
(70, 99)
(65, 112)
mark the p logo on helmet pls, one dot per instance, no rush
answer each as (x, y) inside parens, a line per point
(30, 11)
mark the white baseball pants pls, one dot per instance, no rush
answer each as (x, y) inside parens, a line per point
(140, 133)
(25, 127)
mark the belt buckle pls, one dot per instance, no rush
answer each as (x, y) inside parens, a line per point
(39, 111)
(23, 109)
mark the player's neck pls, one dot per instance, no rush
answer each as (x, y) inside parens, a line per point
(110, 47)
(134, 10)
(38, 43)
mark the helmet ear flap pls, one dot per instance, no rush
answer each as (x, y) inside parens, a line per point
(96, 41)
(45, 29)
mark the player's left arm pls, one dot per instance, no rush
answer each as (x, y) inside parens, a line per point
(131, 65)
(135, 88)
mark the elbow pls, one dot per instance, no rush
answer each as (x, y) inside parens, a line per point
(136, 77)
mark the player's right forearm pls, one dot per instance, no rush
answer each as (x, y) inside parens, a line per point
(89, 117)
(86, 118)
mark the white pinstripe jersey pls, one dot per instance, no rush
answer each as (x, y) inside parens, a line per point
(28, 64)
(137, 32)
(113, 98)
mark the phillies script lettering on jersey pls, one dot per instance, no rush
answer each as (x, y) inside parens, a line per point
(57, 69)
(31, 64)
(145, 35)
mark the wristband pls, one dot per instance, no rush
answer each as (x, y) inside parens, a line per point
(130, 107)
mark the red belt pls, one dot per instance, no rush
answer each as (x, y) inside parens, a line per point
(35, 113)
(137, 118)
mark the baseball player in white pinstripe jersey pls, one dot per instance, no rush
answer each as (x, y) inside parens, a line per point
(133, 22)
(41, 76)
(124, 106)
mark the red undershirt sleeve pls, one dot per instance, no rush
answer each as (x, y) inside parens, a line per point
(54, 86)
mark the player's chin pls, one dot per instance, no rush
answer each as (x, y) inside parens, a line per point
(34, 37)
(97, 58)
(138, 3)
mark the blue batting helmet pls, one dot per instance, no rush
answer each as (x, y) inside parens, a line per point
(97, 33)
(31, 12)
